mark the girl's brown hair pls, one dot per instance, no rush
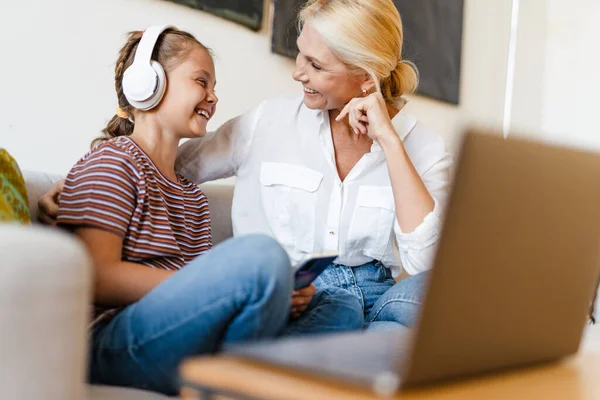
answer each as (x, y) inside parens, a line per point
(172, 46)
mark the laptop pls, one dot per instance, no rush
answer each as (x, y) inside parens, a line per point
(511, 284)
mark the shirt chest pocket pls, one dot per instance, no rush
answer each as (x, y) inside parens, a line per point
(372, 224)
(289, 199)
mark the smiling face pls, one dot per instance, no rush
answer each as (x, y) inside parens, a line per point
(190, 100)
(328, 83)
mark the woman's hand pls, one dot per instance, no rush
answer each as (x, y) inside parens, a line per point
(301, 299)
(48, 204)
(369, 116)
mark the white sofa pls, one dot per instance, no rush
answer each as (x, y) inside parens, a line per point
(44, 295)
(44, 292)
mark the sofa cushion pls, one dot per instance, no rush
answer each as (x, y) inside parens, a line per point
(13, 195)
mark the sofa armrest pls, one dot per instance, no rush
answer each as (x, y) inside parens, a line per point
(45, 294)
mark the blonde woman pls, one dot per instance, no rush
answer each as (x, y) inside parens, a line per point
(342, 168)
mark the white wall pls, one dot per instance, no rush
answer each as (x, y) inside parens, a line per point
(56, 86)
(572, 79)
(57, 89)
(558, 81)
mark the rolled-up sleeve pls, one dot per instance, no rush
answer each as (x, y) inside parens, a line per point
(417, 248)
(219, 154)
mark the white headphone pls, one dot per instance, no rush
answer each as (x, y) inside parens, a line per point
(144, 82)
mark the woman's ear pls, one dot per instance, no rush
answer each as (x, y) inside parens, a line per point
(368, 83)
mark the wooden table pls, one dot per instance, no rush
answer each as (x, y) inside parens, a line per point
(576, 378)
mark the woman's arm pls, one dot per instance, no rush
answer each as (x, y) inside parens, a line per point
(117, 283)
(369, 116)
(219, 154)
(411, 198)
(48, 204)
(419, 190)
(417, 246)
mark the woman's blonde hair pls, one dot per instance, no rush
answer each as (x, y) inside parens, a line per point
(366, 35)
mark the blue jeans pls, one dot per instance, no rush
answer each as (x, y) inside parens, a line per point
(239, 291)
(384, 303)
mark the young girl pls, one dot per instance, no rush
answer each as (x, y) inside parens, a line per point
(143, 223)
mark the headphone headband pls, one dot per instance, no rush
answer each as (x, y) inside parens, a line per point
(143, 54)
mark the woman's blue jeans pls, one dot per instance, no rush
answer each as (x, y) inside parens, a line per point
(383, 302)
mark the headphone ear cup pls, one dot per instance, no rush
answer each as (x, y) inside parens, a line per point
(139, 83)
(144, 86)
(161, 87)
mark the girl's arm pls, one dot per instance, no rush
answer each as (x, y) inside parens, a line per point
(117, 283)
(98, 203)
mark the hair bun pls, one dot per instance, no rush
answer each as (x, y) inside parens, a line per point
(403, 79)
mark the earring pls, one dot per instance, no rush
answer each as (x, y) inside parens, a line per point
(365, 92)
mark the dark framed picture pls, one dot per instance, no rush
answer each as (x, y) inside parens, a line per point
(246, 12)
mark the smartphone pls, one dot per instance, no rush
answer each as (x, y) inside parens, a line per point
(311, 268)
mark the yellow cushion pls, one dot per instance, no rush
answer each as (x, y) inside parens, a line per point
(13, 194)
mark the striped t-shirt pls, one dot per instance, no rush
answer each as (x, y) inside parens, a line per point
(117, 188)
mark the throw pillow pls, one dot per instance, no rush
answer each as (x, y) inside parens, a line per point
(13, 194)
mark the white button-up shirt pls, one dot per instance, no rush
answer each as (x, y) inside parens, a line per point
(287, 185)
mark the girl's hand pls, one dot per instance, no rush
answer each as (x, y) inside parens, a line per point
(369, 116)
(301, 299)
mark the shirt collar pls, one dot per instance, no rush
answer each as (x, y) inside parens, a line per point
(403, 122)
